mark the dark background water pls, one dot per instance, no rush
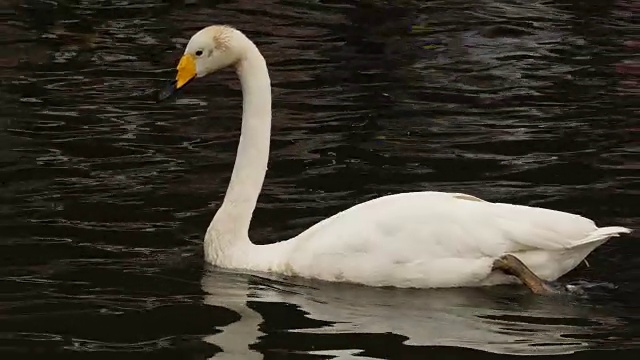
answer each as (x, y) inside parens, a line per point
(105, 195)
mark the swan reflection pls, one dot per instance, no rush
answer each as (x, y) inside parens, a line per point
(494, 319)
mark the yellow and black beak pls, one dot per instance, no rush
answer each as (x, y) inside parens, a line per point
(186, 72)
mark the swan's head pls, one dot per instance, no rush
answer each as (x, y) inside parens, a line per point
(209, 50)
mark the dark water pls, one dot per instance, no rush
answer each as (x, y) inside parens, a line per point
(106, 195)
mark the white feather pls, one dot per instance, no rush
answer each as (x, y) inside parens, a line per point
(433, 239)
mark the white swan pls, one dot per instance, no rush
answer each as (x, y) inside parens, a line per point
(419, 239)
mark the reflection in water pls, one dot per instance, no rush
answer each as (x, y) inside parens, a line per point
(232, 291)
(495, 321)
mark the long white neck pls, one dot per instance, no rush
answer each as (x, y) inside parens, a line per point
(230, 226)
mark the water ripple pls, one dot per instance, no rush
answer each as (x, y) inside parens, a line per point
(105, 194)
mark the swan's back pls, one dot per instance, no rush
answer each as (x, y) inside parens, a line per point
(435, 220)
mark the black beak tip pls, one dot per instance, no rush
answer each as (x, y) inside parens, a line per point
(169, 90)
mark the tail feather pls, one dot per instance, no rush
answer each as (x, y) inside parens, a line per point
(603, 234)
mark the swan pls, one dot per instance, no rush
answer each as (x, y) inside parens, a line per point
(422, 239)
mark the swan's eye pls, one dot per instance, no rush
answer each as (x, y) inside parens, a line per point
(199, 52)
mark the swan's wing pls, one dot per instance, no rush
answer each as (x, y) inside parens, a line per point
(433, 239)
(444, 225)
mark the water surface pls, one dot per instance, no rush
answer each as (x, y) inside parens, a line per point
(106, 195)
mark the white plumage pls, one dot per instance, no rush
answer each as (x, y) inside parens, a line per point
(419, 239)
(426, 239)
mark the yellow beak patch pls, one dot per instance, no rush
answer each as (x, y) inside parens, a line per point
(186, 70)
